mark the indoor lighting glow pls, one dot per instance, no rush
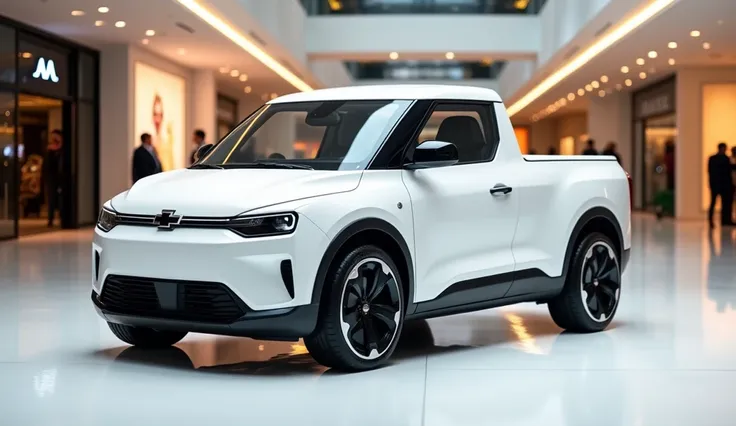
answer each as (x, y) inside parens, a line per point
(601, 93)
(450, 56)
(103, 9)
(99, 23)
(595, 84)
(628, 82)
(26, 55)
(624, 69)
(640, 61)
(120, 24)
(274, 95)
(581, 92)
(182, 51)
(671, 61)
(706, 45)
(588, 54)
(393, 56)
(619, 87)
(247, 89)
(150, 33)
(604, 79)
(672, 45)
(642, 75)
(588, 87)
(570, 97)
(145, 41)
(234, 73)
(694, 33)
(652, 54)
(243, 77)
(236, 37)
(563, 102)
(77, 13)
(224, 70)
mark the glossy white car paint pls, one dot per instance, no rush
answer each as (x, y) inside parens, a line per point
(454, 229)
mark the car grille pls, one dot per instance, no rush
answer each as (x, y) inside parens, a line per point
(182, 300)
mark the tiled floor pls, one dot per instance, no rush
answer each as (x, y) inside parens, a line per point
(668, 359)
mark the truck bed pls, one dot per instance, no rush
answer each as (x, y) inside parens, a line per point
(569, 158)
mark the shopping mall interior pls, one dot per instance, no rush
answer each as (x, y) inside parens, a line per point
(651, 82)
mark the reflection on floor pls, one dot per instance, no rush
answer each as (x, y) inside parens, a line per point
(668, 359)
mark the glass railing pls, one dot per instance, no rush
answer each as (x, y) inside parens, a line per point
(351, 7)
(420, 70)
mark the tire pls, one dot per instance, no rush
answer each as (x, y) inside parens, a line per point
(595, 276)
(145, 337)
(364, 298)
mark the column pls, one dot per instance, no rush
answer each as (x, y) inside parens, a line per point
(609, 120)
(204, 103)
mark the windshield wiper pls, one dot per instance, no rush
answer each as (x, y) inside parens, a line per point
(267, 165)
(205, 166)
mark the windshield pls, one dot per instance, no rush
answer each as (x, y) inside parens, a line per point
(327, 135)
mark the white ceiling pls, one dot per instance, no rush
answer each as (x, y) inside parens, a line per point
(205, 48)
(716, 21)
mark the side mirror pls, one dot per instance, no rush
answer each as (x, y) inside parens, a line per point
(202, 152)
(433, 154)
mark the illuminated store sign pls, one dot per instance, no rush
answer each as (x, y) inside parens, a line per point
(45, 70)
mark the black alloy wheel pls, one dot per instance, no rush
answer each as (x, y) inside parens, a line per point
(601, 281)
(371, 308)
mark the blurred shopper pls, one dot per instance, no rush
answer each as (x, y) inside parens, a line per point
(669, 164)
(720, 177)
(611, 150)
(145, 159)
(52, 174)
(552, 151)
(590, 148)
(198, 139)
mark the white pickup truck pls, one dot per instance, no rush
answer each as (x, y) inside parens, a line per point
(337, 215)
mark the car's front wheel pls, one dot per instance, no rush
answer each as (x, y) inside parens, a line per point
(362, 314)
(592, 289)
(145, 337)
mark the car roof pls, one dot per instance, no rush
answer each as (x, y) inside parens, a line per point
(395, 91)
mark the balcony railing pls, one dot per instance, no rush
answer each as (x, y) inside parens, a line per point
(352, 7)
(416, 70)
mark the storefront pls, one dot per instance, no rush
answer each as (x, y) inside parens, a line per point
(48, 132)
(227, 116)
(654, 139)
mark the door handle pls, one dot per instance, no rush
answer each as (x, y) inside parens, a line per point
(500, 189)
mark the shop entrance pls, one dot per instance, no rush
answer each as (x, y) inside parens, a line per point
(41, 167)
(660, 135)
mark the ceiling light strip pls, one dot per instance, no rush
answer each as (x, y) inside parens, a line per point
(236, 37)
(588, 54)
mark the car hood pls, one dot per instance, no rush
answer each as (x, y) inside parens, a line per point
(229, 192)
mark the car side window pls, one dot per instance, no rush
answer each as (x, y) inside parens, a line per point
(468, 126)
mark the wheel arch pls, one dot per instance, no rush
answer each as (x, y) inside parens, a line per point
(596, 219)
(369, 231)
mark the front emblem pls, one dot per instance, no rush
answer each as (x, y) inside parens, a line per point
(166, 220)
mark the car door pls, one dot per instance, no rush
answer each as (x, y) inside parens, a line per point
(463, 231)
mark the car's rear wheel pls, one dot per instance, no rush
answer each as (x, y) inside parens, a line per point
(145, 337)
(589, 300)
(362, 314)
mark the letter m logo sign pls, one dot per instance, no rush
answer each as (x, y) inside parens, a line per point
(45, 70)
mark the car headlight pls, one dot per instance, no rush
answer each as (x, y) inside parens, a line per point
(265, 225)
(107, 220)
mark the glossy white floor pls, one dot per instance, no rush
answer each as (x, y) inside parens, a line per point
(668, 359)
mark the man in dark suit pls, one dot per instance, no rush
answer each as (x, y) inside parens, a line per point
(590, 148)
(145, 159)
(721, 185)
(198, 140)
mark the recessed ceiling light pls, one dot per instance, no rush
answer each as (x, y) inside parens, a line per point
(274, 95)
(628, 82)
(103, 9)
(77, 13)
(604, 79)
(601, 93)
(581, 92)
(243, 77)
(563, 102)
(588, 87)
(120, 24)
(247, 89)
(595, 84)
(652, 54)
(224, 70)
(671, 61)
(640, 61)
(706, 45)
(694, 33)
(234, 73)
(672, 45)
(182, 51)
(624, 69)
(450, 55)
(99, 23)
(145, 41)
(150, 33)
(642, 75)
(570, 97)
(26, 55)
(393, 56)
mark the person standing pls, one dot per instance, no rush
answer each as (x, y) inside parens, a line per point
(590, 148)
(52, 175)
(611, 150)
(145, 159)
(198, 139)
(720, 178)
